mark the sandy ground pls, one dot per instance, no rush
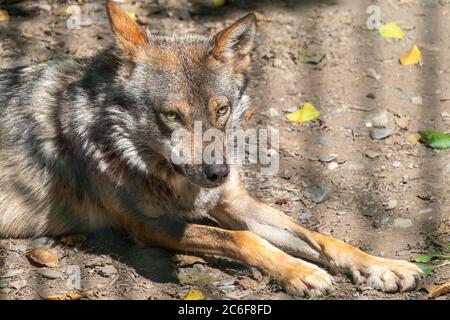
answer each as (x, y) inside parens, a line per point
(384, 196)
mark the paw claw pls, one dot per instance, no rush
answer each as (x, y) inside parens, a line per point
(391, 275)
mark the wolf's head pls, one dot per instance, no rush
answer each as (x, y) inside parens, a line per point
(173, 84)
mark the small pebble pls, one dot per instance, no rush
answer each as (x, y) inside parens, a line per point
(317, 194)
(372, 73)
(107, 271)
(417, 100)
(392, 204)
(50, 274)
(446, 169)
(402, 223)
(370, 95)
(380, 133)
(372, 154)
(327, 158)
(333, 166)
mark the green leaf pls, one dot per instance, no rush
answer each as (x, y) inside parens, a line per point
(435, 140)
(305, 57)
(428, 269)
(427, 257)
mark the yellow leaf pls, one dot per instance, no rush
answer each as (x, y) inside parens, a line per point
(194, 295)
(391, 31)
(414, 56)
(132, 15)
(73, 239)
(44, 257)
(307, 113)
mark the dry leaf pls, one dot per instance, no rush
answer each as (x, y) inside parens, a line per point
(73, 239)
(307, 113)
(185, 260)
(281, 201)
(44, 258)
(194, 294)
(391, 31)
(70, 295)
(4, 16)
(436, 290)
(414, 56)
(413, 138)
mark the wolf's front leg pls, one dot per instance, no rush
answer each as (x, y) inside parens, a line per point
(296, 276)
(239, 211)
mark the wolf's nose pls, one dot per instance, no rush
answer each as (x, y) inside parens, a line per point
(216, 172)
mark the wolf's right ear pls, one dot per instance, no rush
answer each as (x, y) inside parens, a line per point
(233, 44)
(129, 36)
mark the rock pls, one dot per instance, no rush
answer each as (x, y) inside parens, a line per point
(107, 271)
(323, 142)
(392, 204)
(227, 289)
(277, 63)
(317, 194)
(369, 212)
(372, 73)
(427, 210)
(445, 116)
(248, 283)
(18, 284)
(378, 120)
(50, 274)
(5, 290)
(417, 100)
(380, 133)
(446, 169)
(95, 262)
(272, 112)
(304, 215)
(372, 154)
(21, 248)
(402, 122)
(327, 158)
(11, 273)
(41, 242)
(333, 166)
(402, 223)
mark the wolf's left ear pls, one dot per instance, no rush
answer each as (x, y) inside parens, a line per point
(129, 36)
(234, 43)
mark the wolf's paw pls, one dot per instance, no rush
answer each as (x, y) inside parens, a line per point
(306, 280)
(388, 275)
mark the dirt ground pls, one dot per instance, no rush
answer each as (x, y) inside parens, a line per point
(384, 196)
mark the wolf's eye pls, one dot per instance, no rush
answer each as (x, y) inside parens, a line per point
(171, 115)
(222, 110)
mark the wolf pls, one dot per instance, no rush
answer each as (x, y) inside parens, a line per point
(86, 144)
